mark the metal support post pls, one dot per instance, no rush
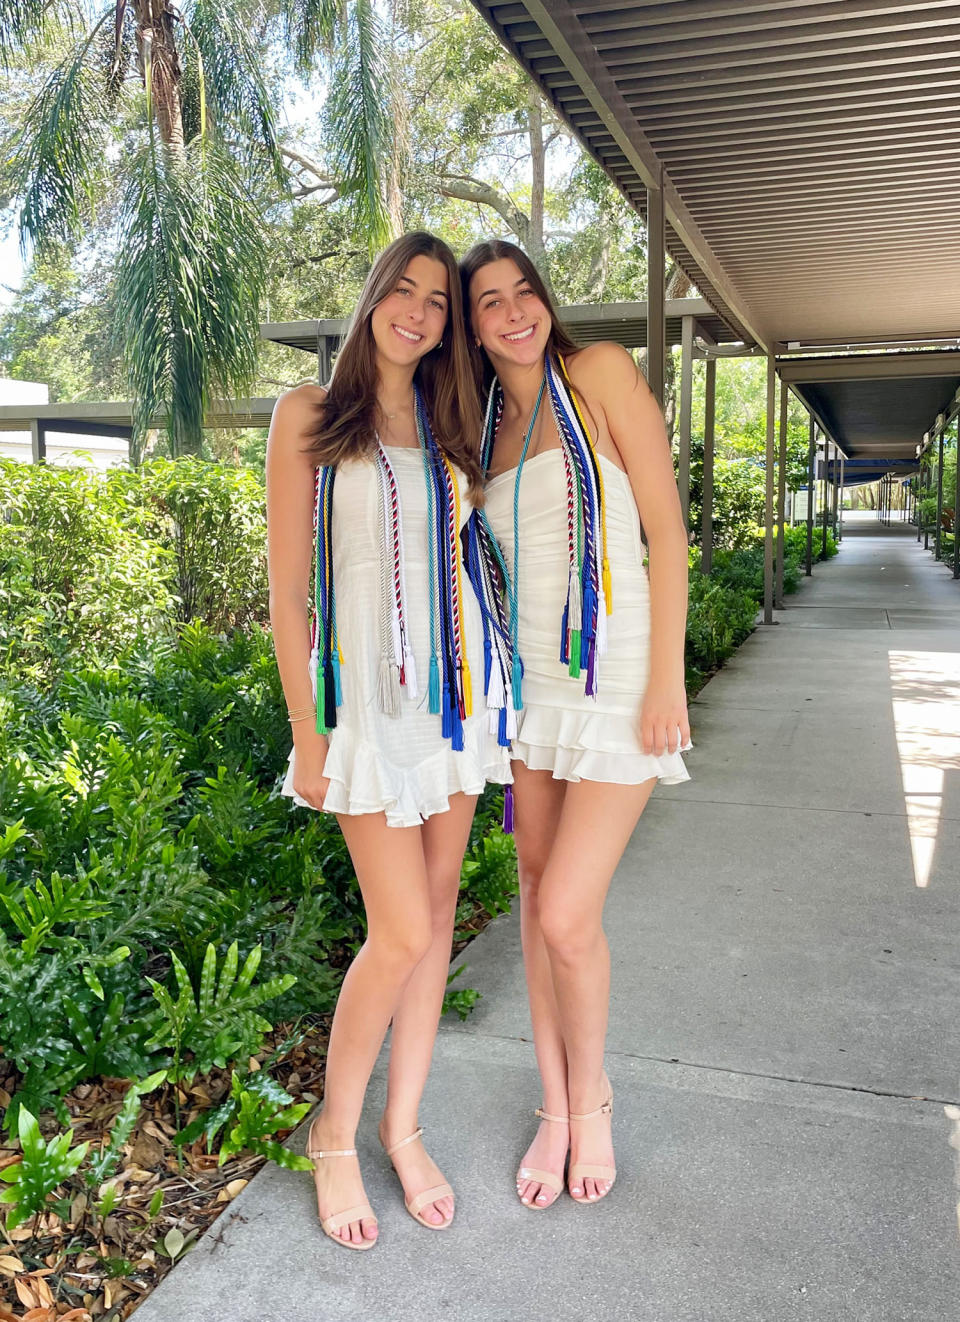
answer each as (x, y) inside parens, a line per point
(768, 522)
(709, 429)
(936, 544)
(834, 501)
(781, 496)
(840, 512)
(686, 409)
(811, 487)
(656, 293)
(38, 441)
(956, 509)
(826, 469)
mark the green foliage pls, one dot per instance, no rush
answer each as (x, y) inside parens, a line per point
(211, 520)
(104, 1165)
(257, 1108)
(219, 1022)
(79, 576)
(43, 1167)
(460, 1000)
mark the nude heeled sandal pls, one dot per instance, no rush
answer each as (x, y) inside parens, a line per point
(362, 1212)
(548, 1178)
(419, 1201)
(584, 1170)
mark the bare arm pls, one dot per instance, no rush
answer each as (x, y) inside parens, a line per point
(608, 375)
(290, 496)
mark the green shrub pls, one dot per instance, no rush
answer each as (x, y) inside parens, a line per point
(80, 577)
(211, 518)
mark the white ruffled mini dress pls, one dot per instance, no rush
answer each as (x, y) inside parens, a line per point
(561, 729)
(401, 766)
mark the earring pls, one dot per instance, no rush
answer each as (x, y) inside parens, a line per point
(476, 342)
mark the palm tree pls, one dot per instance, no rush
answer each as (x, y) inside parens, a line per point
(188, 177)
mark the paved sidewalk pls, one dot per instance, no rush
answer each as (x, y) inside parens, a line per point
(784, 1029)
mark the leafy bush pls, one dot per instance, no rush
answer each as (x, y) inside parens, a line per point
(212, 520)
(80, 577)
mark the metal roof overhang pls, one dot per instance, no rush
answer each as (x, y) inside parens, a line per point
(624, 322)
(809, 153)
(116, 417)
(876, 405)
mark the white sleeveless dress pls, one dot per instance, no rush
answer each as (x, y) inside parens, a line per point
(561, 729)
(401, 766)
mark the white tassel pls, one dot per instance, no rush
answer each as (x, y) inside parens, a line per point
(388, 688)
(575, 615)
(513, 725)
(496, 693)
(312, 667)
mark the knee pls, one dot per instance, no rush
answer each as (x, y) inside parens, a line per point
(569, 936)
(529, 875)
(401, 949)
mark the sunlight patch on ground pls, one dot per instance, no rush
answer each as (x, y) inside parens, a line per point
(926, 716)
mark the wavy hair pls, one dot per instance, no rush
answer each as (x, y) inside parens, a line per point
(347, 418)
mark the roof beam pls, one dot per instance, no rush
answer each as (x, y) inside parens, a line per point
(561, 28)
(869, 367)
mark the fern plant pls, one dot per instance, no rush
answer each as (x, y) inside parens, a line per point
(257, 1108)
(42, 1168)
(219, 1023)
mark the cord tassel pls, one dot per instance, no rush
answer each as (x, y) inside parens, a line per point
(388, 688)
(329, 697)
(434, 687)
(508, 810)
(516, 682)
(607, 586)
(337, 689)
(467, 682)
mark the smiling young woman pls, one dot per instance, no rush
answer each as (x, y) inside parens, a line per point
(369, 484)
(576, 456)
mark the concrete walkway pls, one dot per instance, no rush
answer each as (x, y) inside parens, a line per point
(784, 1032)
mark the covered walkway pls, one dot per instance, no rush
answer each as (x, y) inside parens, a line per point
(784, 1038)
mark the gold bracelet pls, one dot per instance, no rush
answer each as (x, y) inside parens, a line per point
(309, 716)
(301, 711)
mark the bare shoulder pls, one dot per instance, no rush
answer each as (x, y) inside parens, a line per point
(602, 368)
(293, 421)
(295, 408)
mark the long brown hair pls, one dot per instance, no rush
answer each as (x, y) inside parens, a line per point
(559, 341)
(346, 423)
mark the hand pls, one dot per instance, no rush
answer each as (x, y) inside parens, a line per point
(663, 725)
(308, 778)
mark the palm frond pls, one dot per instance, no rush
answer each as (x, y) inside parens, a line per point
(311, 28)
(359, 120)
(20, 21)
(190, 284)
(58, 155)
(238, 98)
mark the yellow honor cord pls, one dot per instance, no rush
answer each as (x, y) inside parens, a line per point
(457, 569)
(605, 563)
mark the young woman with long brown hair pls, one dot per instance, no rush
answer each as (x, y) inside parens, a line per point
(576, 457)
(369, 483)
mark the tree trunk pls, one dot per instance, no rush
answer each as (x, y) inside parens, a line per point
(155, 28)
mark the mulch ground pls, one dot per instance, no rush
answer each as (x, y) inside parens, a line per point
(71, 1265)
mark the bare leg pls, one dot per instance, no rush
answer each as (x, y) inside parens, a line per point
(595, 825)
(391, 870)
(418, 1011)
(538, 804)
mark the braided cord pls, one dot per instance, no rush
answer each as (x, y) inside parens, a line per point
(605, 563)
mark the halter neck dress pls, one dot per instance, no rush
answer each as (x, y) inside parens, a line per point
(401, 766)
(562, 730)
